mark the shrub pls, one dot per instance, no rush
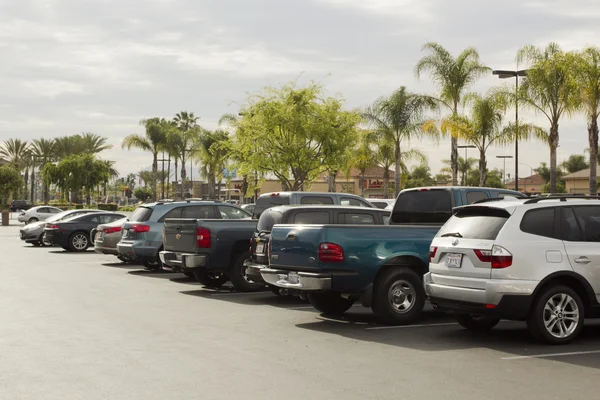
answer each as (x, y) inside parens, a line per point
(108, 207)
(78, 206)
(127, 208)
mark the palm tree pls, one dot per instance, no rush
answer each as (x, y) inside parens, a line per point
(575, 162)
(399, 118)
(587, 72)
(364, 158)
(152, 141)
(186, 141)
(44, 151)
(453, 76)
(550, 89)
(17, 153)
(213, 154)
(385, 157)
(93, 143)
(111, 173)
(66, 146)
(464, 167)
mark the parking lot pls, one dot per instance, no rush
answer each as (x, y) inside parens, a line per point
(84, 326)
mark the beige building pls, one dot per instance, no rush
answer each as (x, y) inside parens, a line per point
(579, 182)
(532, 184)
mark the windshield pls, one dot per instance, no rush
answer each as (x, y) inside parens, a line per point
(267, 201)
(475, 223)
(141, 214)
(422, 206)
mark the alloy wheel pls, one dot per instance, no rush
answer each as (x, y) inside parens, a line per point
(402, 296)
(80, 241)
(561, 315)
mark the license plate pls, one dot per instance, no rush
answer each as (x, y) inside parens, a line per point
(178, 257)
(293, 278)
(453, 260)
(260, 248)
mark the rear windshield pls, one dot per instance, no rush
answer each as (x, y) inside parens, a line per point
(484, 223)
(268, 219)
(422, 206)
(265, 202)
(141, 214)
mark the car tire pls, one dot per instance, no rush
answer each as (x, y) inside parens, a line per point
(79, 242)
(563, 306)
(476, 323)
(398, 296)
(330, 303)
(152, 265)
(189, 274)
(238, 277)
(32, 220)
(210, 279)
(42, 238)
(276, 290)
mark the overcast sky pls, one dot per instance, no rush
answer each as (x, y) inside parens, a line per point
(102, 65)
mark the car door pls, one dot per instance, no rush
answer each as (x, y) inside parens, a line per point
(581, 227)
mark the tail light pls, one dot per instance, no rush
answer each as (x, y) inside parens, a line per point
(51, 226)
(202, 238)
(110, 230)
(432, 252)
(331, 252)
(140, 228)
(499, 257)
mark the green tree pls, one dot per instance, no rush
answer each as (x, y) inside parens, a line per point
(420, 176)
(397, 119)
(574, 163)
(550, 89)
(363, 158)
(85, 143)
(587, 73)
(385, 158)
(44, 152)
(142, 193)
(147, 177)
(453, 76)
(10, 182)
(544, 172)
(153, 141)
(17, 153)
(185, 141)
(111, 174)
(465, 167)
(494, 178)
(215, 150)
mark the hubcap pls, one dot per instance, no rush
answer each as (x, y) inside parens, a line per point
(80, 242)
(561, 315)
(402, 296)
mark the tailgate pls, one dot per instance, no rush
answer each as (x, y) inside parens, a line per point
(295, 246)
(179, 234)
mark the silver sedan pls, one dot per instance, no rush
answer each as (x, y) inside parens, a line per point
(39, 213)
(106, 237)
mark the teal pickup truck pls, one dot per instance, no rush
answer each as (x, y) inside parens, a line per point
(380, 266)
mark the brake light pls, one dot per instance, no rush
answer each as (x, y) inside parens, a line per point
(331, 252)
(432, 251)
(274, 194)
(51, 226)
(140, 228)
(499, 257)
(202, 238)
(111, 230)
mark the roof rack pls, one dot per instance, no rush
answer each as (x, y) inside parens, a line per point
(561, 198)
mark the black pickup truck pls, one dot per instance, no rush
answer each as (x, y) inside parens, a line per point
(213, 250)
(303, 214)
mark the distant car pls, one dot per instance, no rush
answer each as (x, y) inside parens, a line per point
(34, 233)
(248, 207)
(20, 205)
(39, 213)
(383, 203)
(106, 237)
(73, 234)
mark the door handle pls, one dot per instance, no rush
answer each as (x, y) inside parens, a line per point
(291, 235)
(582, 260)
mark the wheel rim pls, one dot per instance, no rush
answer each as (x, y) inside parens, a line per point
(80, 241)
(245, 276)
(43, 238)
(561, 315)
(214, 275)
(402, 296)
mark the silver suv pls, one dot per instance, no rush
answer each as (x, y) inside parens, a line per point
(535, 260)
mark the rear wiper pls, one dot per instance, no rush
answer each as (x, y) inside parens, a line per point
(453, 234)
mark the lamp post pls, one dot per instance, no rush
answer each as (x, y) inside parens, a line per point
(503, 74)
(466, 146)
(504, 171)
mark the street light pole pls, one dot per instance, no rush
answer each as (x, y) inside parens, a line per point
(504, 172)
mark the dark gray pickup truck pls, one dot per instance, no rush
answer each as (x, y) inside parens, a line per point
(213, 250)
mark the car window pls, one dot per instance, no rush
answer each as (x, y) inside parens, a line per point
(316, 200)
(570, 230)
(474, 196)
(588, 218)
(198, 212)
(422, 206)
(379, 204)
(311, 217)
(268, 219)
(42, 210)
(96, 219)
(267, 201)
(141, 214)
(350, 201)
(174, 213)
(539, 222)
(232, 213)
(54, 210)
(475, 223)
(357, 218)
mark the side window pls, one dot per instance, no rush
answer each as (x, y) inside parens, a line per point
(539, 222)
(357, 219)
(312, 217)
(316, 200)
(43, 210)
(95, 219)
(570, 230)
(198, 212)
(55, 210)
(174, 213)
(232, 213)
(589, 221)
(474, 196)
(350, 201)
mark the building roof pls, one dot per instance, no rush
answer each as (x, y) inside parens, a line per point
(583, 174)
(529, 181)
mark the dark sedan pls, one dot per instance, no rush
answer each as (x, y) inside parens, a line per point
(74, 234)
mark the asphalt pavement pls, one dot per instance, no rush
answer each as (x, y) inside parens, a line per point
(84, 326)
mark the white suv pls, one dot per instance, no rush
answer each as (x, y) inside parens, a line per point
(536, 260)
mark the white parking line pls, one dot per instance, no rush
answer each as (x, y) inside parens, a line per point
(299, 308)
(234, 293)
(573, 353)
(409, 326)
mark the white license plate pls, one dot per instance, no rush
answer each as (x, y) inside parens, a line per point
(260, 248)
(293, 278)
(453, 260)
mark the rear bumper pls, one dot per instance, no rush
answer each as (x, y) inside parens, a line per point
(306, 281)
(106, 250)
(253, 271)
(182, 260)
(136, 252)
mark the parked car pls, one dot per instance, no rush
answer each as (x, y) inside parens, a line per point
(142, 237)
(268, 200)
(16, 205)
(39, 213)
(106, 237)
(34, 233)
(531, 260)
(248, 207)
(381, 266)
(383, 203)
(73, 234)
(332, 215)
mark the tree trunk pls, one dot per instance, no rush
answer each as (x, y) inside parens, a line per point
(454, 160)
(183, 176)
(482, 169)
(398, 159)
(593, 142)
(553, 147)
(362, 183)
(26, 182)
(32, 184)
(331, 181)
(154, 172)
(244, 188)
(175, 188)
(219, 190)
(168, 176)
(386, 183)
